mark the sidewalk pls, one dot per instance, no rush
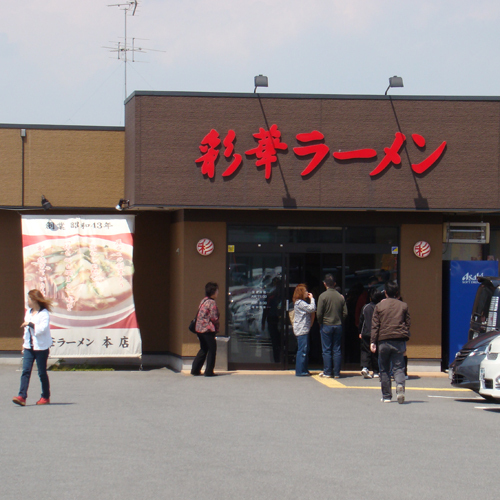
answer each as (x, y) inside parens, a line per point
(350, 373)
(152, 361)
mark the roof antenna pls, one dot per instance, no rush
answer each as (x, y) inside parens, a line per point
(126, 7)
(121, 48)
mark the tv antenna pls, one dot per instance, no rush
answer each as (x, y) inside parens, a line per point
(122, 48)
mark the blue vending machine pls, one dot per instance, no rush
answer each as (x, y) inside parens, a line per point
(459, 290)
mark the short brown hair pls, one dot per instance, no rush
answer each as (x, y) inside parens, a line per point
(300, 292)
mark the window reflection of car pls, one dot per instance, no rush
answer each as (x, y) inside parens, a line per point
(238, 274)
(490, 371)
(247, 303)
(246, 314)
(484, 310)
(368, 278)
(464, 370)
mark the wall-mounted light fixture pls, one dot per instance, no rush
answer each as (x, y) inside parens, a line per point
(394, 81)
(46, 203)
(122, 204)
(260, 81)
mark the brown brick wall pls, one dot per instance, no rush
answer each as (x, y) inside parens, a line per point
(131, 147)
(169, 130)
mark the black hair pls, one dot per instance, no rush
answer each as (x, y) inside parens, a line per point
(376, 296)
(392, 290)
(211, 288)
(329, 280)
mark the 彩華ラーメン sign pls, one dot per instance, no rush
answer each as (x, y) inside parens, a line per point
(247, 151)
(84, 264)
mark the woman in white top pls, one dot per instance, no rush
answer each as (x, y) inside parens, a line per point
(36, 344)
(301, 327)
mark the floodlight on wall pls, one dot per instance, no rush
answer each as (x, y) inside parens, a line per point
(394, 81)
(46, 203)
(122, 204)
(260, 81)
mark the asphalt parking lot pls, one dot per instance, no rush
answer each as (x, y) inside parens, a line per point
(159, 434)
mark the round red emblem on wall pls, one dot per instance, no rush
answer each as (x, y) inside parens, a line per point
(205, 246)
(422, 249)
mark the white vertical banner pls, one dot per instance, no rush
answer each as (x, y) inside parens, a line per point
(85, 265)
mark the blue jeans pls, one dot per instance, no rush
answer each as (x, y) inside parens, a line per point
(391, 353)
(29, 358)
(331, 342)
(302, 355)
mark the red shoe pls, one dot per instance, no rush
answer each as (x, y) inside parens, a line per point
(43, 401)
(19, 400)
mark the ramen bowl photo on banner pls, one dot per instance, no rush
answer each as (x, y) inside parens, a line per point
(85, 265)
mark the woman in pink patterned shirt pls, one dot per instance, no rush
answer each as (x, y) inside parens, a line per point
(207, 326)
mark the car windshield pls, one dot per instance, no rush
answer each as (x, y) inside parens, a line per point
(481, 306)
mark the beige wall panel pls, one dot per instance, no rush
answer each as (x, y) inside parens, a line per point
(10, 167)
(200, 270)
(421, 288)
(424, 351)
(74, 168)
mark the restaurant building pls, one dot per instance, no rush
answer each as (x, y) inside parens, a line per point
(260, 192)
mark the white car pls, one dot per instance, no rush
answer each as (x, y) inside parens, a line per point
(489, 371)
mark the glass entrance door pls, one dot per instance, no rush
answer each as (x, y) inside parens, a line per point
(266, 266)
(256, 310)
(260, 293)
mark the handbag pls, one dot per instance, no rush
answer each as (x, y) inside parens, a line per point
(192, 325)
(291, 315)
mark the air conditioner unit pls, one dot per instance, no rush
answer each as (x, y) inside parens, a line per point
(466, 232)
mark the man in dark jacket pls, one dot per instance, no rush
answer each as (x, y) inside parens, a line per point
(369, 359)
(331, 311)
(391, 330)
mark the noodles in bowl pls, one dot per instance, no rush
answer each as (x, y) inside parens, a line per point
(89, 279)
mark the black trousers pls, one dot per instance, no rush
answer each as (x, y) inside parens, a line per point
(208, 350)
(368, 359)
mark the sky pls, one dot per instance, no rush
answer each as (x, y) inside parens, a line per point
(54, 69)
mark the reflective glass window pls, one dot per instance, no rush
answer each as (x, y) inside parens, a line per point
(372, 234)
